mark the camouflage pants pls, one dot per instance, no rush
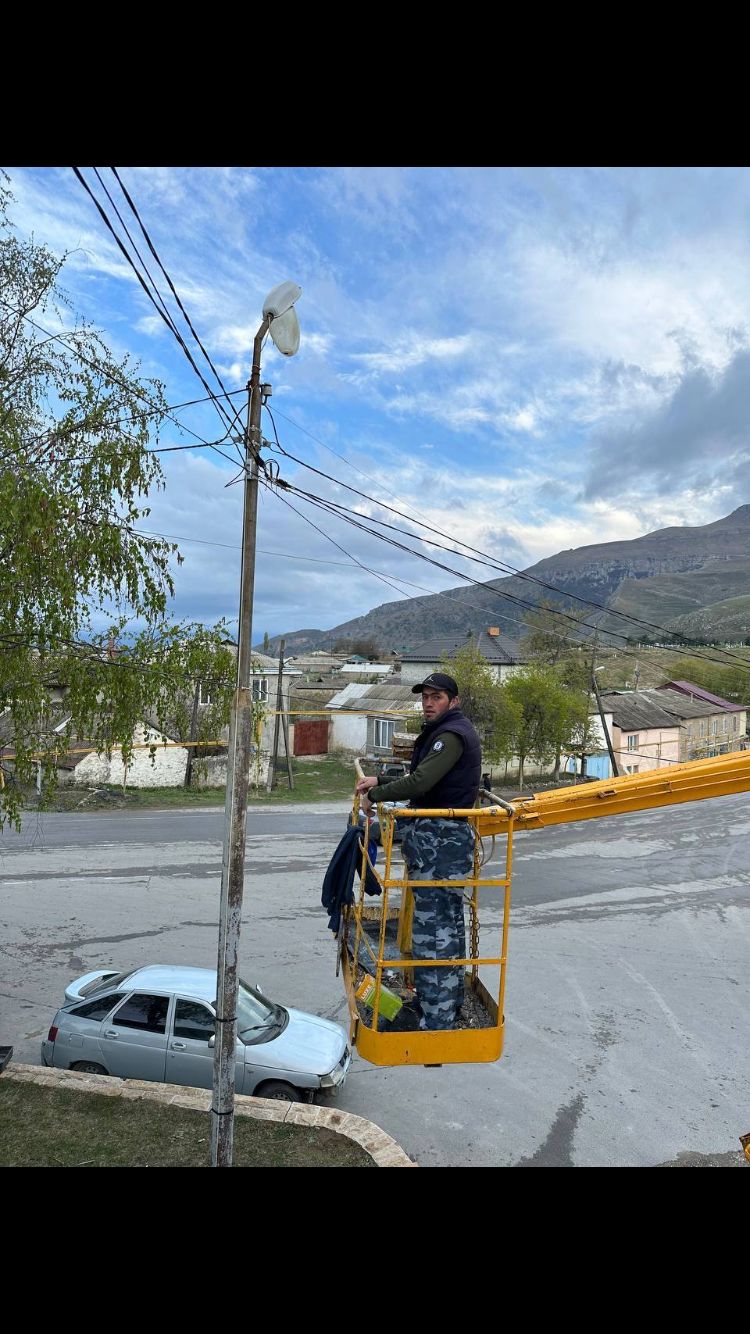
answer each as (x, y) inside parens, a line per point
(439, 849)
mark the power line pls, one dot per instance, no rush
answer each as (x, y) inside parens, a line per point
(342, 458)
(156, 293)
(375, 573)
(161, 312)
(482, 558)
(172, 449)
(171, 407)
(101, 369)
(340, 564)
(355, 520)
(566, 639)
(169, 280)
(381, 577)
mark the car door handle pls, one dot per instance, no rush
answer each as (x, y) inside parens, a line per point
(178, 1046)
(110, 1033)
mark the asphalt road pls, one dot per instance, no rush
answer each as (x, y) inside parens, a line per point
(627, 1005)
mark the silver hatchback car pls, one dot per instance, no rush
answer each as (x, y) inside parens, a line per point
(159, 1022)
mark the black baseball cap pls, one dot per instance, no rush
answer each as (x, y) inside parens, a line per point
(437, 681)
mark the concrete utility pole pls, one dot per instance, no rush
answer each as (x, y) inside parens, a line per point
(605, 729)
(278, 309)
(280, 718)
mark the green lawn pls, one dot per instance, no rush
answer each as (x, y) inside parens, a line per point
(51, 1127)
(326, 779)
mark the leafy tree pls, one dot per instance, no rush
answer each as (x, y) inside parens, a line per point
(266, 642)
(555, 632)
(550, 716)
(364, 648)
(484, 702)
(76, 574)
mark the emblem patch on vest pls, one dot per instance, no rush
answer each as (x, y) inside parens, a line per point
(438, 745)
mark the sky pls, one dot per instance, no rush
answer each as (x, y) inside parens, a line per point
(529, 359)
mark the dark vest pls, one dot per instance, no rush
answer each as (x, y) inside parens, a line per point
(460, 786)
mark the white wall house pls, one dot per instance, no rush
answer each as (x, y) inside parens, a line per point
(364, 717)
(504, 656)
(264, 687)
(167, 769)
(377, 671)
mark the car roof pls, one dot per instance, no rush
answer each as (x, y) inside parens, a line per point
(198, 982)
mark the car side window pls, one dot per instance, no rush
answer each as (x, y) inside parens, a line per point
(193, 1020)
(147, 1013)
(96, 1009)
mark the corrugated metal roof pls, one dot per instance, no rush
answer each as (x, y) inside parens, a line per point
(682, 706)
(382, 696)
(689, 688)
(632, 711)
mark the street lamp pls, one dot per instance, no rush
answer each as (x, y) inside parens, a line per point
(280, 320)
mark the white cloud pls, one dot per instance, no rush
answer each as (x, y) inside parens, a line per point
(152, 325)
(411, 350)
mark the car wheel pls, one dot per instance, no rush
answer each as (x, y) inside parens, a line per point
(279, 1091)
(89, 1068)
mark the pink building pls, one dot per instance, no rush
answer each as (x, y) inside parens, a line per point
(654, 728)
(644, 735)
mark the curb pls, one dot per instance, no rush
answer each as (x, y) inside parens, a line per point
(383, 1150)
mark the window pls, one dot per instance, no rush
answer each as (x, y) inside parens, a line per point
(204, 693)
(109, 982)
(96, 1009)
(724, 723)
(734, 722)
(258, 1019)
(715, 727)
(633, 742)
(193, 1020)
(146, 1013)
(703, 727)
(260, 688)
(384, 729)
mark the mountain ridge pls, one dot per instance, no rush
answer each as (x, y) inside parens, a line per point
(671, 577)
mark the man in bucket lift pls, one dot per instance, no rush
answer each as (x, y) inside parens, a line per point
(446, 768)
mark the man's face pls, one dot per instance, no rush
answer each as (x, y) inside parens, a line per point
(435, 703)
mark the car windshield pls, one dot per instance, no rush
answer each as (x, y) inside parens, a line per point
(253, 1010)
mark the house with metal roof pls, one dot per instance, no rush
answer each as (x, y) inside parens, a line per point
(503, 655)
(644, 734)
(365, 717)
(652, 728)
(709, 726)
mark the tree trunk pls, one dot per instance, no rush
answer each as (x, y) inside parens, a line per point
(192, 737)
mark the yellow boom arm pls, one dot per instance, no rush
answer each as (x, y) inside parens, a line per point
(694, 781)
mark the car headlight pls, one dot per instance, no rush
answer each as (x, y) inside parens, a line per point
(338, 1073)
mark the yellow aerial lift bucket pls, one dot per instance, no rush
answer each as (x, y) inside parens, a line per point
(375, 952)
(375, 942)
